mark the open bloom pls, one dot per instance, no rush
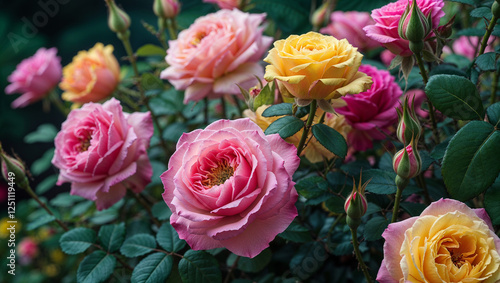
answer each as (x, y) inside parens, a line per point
(102, 151)
(217, 53)
(315, 66)
(385, 29)
(448, 242)
(231, 186)
(92, 75)
(35, 77)
(225, 4)
(466, 46)
(372, 111)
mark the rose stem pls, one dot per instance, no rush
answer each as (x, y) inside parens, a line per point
(310, 119)
(124, 264)
(486, 36)
(223, 105)
(172, 28)
(54, 98)
(228, 276)
(161, 33)
(401, 184)
(358, 256)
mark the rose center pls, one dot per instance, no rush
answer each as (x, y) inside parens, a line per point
(218, 175)
(85, 143)
(197, 38)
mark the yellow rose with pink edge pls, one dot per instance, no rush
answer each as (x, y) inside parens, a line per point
(448, 242)
(315, 66)
(92, 75)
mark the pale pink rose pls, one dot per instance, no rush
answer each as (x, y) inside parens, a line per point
(385, 29)
(349, 25)
(102, 151)
(386, 57)
(231, 186)
(217, 52)
(372, 112)
(35, 77)
(448, 242)
(466, 46)
(225, 4)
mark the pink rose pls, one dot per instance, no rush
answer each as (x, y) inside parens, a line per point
(385, 29)
(466, 46)
(386, 57)
(102, 151)
(372, 111)
(448, 242)
(225, 4)
(27, 250)
(349, 25)
(231, 186)
(35, 77)
(216, 53)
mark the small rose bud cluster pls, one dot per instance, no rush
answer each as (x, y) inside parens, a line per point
(118, 20)
(259, 95)
(414, 26)
(356, 205)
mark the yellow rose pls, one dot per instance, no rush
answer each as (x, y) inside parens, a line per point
(316, 66)
(448, 242)
(92, 75)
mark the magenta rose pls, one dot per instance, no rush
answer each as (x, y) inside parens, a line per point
(349, 25)
(102, 151)
(385, 29)
(372, 112)
(216, 53)
(466, 46)
(231, 186)
(448, 242)
(35, 77)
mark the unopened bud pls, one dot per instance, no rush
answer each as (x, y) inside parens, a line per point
(318, 17)
(495, 9)
(356, 205)
(12, 168)
(407, 162)
(445, 30)
(118, 20)
(409, 127)
(166, 9)
(414, 26)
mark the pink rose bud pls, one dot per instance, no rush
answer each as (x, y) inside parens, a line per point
(445, 30)
(414, 26)
(225, 4)
(13, 169)
(409, 127)
(356, 205)
(35, 77)
(166, 9)
(118, 20)
(407, 163)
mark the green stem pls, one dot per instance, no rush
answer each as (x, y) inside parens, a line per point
(486, 36)
(362, 264)
(309, 122)
(54, 98)
(205, 110)
(223, 105)
(172, 28)
(233, 266)
(124, 97)
(494, 85)
(162, 23)
(401, 184)
(28, 189)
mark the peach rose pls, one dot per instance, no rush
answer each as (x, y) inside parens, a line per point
(316, 66)
(448, 242)
(92, 76)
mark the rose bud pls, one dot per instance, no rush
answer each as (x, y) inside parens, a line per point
(13, 169)
(118, 20)
(409, 126)
(356, 205)
(414, 26)
(407, 163)
(166, 9)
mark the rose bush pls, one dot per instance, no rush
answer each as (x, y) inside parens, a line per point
(35, 77)
(231, 186)
(217, 52)
(102, 151)
(92, 75)
(448, 242)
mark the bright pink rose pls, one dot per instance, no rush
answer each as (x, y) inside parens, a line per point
(372, 111)
(231, 186)
(102, 151)
(35, 77)
(466, 46)
(225, 4)
(448, 242)
(349, 25)
(216, 53)
(385, 29)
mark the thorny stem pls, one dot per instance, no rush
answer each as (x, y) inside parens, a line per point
(358, 256)
(486, 36)
(309, 122)
(44, 206)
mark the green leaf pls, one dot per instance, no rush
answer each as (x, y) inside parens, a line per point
(278, 110)
(265, 96)
(168, 238)
(308, 259)
(330, 139)
(45, 185)
(335, 204)
(493, 113)
(150, 50)
(312, 187)
(153, 268)
(40, 221)
(44, 133)
(174, 131)
(199, 267)
(161, 211)
(481, 12)
(251, 265)
(455, 97)
(375, 227)
(382, 182)
(112, 236)
(80, 208)
(96, 267)
(470, 32)
(150, 81)
(470, 164)
(77, 240)
(44, 163)
(344, 248)
(138, 245)
(65, 200)
(492, 202)
(440, 149)
(413, 208)
(486, 61)
(446, 69)
(285, 126)
(468, 2)
(296, 233)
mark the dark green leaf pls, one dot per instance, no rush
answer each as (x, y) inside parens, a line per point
(46, 218)
(440, 149)
(330, 139)
(493, 112)
(65, 200)
(308, 259)
(174, 131)
(42, 164)
(251, 265)
(150, 81)
(45, 185)
(168, 238)
(492, 202)
(81, 208)
(161, 211)
(150, 50)
(413, 208)
(455, 97)
(112, 236)
(77, 240)
(447, 69)
(96, 267)
(470, 164)
(312, 187)
(486, 61)
(138, 245)
(375, 227)
(153, 268)
(468, 2)
(44, 133)
(335, 204)
(344, 248)
(199, 267)
(265, 96)
(296, 233)
(278, 110)
(382, 182)
(481, 12)
(471, 32)
(285, 126)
